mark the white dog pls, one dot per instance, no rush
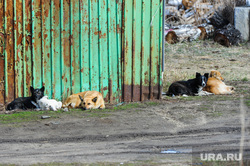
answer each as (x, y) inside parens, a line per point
(49, 104)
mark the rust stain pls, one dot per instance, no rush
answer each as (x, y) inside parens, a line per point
(136, 93)
(100, 34)
(28, 41)
(118, 28)
(110, 90)
(19, 40)
(46, 13)
(38, 14)
(28, 28)
(127, 93)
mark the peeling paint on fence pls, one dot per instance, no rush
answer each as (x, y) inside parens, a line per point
(68, 46)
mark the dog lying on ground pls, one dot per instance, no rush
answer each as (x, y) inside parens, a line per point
(25, 103)
(190, 87)
(216, 85)
(86, 100)
(49, 104)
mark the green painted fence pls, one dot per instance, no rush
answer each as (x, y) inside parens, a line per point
(112, 46)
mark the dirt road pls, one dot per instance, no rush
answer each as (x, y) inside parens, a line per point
(142, 134)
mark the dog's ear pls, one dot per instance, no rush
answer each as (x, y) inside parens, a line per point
(31, 89)
(81, 98)
(94, 99)
(206, 75)
(198, 74)
(42, 89)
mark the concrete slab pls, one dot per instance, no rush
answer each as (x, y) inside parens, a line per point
(242, 21)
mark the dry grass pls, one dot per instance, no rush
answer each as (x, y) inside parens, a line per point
(183, 60)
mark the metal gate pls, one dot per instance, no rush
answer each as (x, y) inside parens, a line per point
(112, 46)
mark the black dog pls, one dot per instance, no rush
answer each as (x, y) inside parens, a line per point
(25, 103)
(190, 87)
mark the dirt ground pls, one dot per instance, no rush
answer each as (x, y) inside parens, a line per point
(163, 132)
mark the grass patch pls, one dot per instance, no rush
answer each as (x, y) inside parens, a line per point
(215, 114)
(128, 106)
(26, 116)
(244, 79)
(204, 107)
(183, 59)
(247, 102)
(152, 103)
(32, 116)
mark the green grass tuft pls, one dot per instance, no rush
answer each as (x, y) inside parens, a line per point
(244, 79)
(128, 106)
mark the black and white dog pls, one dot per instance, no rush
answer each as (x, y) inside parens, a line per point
(25, 103)
(190, 87)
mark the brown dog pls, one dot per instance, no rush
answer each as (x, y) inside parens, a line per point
(86, 100)
(216, 86)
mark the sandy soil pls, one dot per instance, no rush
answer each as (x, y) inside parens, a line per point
(143, 135)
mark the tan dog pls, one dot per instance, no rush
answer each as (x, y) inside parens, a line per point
(86, 100)
(216, 86)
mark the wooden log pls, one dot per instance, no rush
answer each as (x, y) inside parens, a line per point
(171, 37)
(184, 33)
(188, 3)
(227, 36)
(218, 21)
(207, 31)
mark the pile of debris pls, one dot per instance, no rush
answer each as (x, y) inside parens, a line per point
(188, 20)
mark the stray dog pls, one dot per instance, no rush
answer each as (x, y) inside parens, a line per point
(49, 104)
(25, 103)
(216, 85)
(86, 100)
(190, 87)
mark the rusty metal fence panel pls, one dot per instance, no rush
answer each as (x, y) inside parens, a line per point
(142, 43)
(112, 46)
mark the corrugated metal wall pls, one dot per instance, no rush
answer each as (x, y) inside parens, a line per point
(142, 49)
(112, 46)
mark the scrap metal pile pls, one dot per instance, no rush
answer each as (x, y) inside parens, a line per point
(188, 20)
